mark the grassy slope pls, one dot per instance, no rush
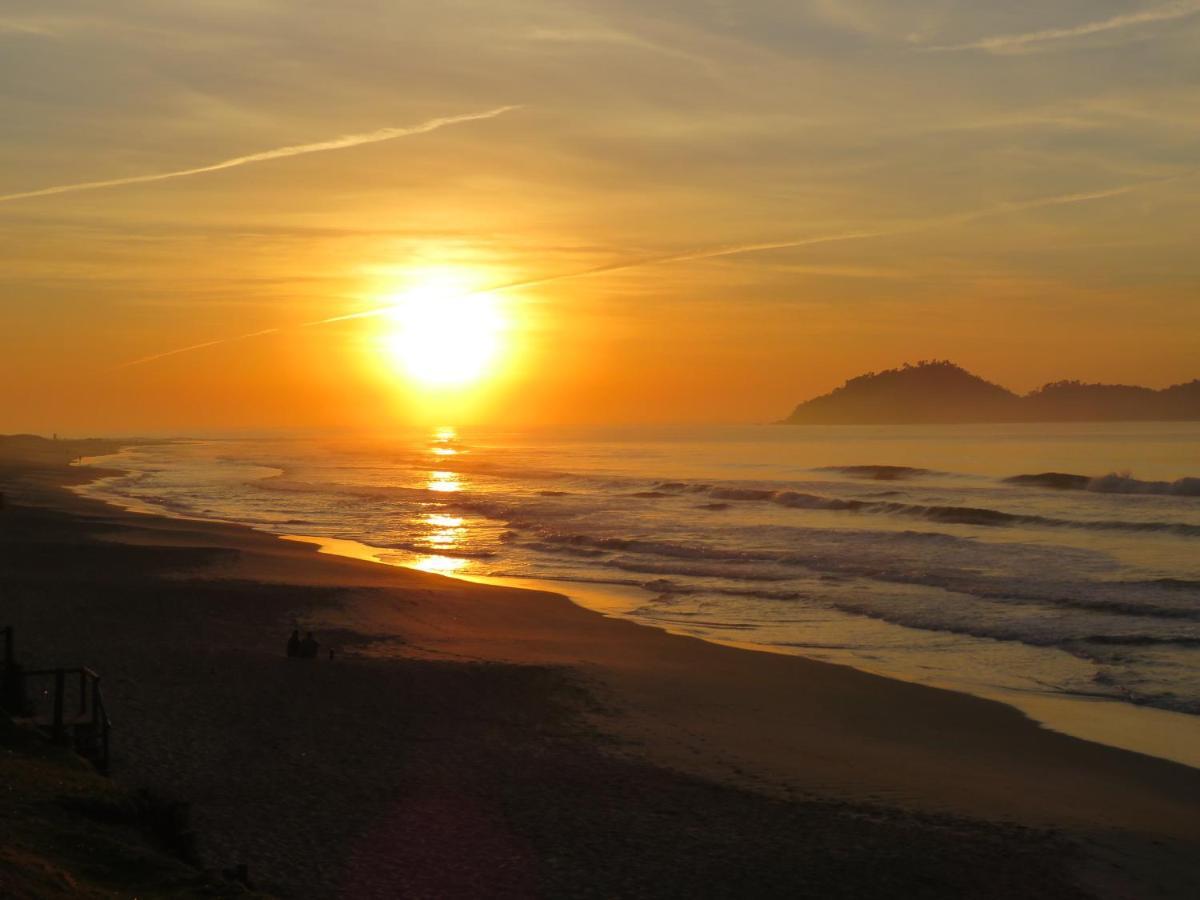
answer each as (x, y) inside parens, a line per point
(65, 831)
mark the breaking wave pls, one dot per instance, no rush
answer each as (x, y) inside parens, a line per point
(950, 515)
(1112, 483)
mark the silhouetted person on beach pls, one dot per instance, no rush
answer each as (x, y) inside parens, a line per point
(309, 647)
(293, 644)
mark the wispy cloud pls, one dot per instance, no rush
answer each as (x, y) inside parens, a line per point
(338, 143)
(571, 38)
(9, 26)
(1010, 43)
(1000, 209)
(600, 35)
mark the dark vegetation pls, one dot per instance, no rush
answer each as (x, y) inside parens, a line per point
(939, 392)
(65, 831)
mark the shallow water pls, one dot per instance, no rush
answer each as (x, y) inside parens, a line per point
(902, 550)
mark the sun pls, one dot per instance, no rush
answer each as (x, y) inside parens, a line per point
(442, 334)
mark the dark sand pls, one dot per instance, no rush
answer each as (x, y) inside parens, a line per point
(471, 741)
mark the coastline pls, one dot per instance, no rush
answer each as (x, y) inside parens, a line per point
(1061, 695)
(1134, 729)
(776, 726)
(1166, 735)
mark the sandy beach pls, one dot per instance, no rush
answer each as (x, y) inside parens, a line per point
(470, 741)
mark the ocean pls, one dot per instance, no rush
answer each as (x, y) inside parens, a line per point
(1054, 567)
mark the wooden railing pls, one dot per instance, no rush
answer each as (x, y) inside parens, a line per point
(66, 703)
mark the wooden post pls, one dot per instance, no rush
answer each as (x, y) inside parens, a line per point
(59, 687)
(10, 678)
(100, 716)
(82, 692)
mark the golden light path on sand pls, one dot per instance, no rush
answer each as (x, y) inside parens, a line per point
(440, 565)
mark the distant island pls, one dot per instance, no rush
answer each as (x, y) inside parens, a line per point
(940, 392)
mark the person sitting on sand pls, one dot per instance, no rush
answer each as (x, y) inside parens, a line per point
(293, 644)
(309, 647)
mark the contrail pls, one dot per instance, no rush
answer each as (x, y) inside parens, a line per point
(713, 253)
(1179, 9)
(339, 143)
(709, 253)
(642, 262)
(191, 347)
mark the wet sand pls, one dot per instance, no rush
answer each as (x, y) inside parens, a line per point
(469, 740)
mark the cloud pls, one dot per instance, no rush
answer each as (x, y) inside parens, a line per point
(1178, 9)
(715, 253)
(339, 143)
(601, 35)
(8, 26)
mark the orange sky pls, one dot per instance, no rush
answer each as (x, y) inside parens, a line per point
(1014, 189)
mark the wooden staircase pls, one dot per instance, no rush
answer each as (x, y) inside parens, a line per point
(64, 703)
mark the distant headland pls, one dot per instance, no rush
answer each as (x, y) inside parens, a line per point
(940, 392)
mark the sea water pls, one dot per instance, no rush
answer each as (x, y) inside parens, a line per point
(954, 556)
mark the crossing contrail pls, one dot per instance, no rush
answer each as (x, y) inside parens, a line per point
(714, 253)
(338, 143)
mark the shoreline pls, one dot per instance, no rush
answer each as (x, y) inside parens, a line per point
(778, 726)
(1163, 734)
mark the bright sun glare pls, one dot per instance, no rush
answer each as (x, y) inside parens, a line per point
(443, 335)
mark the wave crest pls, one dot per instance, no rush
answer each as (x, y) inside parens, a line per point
(1124, 483)
(1112, 483)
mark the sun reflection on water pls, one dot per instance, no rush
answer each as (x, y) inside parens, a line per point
(443, 442)
(444, 482)
(448, 531)
(443, 533)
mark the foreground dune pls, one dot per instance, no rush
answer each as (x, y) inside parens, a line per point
(468, 740)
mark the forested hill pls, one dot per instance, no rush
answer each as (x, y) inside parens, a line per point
(939, 392)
